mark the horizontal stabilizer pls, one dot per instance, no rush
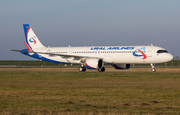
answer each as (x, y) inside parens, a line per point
(21, 51)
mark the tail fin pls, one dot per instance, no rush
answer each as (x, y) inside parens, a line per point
(32, 40)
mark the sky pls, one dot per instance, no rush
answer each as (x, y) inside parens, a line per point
(90, 23)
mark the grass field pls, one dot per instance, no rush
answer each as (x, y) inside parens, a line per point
(126, 93)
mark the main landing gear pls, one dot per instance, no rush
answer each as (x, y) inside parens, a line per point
(153, 68)
(82, 68)
(101, 69)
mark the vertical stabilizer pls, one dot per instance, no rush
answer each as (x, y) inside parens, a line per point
(32, 40)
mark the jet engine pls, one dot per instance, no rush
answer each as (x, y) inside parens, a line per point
(122, 66)
(94, 63)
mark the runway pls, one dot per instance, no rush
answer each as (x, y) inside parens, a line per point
(76, 70)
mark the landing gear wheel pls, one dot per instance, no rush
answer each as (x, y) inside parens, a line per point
(153, 67)
(101, 69)
(82, 69)
(153, 70)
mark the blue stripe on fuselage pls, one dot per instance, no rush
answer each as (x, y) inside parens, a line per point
(37, 56)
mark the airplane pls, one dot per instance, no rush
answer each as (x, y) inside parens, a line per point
(94, 57)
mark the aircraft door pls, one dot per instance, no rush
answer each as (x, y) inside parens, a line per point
(149, 51)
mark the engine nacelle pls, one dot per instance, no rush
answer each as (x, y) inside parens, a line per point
(122, 66)
(94, 63)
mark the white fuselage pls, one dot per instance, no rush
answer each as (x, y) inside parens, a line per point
(109, 54)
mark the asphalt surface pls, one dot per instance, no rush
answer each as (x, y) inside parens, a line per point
(76, 70)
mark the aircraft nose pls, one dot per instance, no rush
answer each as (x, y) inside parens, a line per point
(169, 57)
(165, 57)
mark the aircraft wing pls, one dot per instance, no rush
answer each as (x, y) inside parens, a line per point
(61, 55)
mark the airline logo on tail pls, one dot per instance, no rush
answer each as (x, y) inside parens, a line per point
(141, 50)
(33, 40)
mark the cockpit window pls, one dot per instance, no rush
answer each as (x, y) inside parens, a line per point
(162, 51)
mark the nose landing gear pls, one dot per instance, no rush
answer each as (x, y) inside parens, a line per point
(153, 68)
